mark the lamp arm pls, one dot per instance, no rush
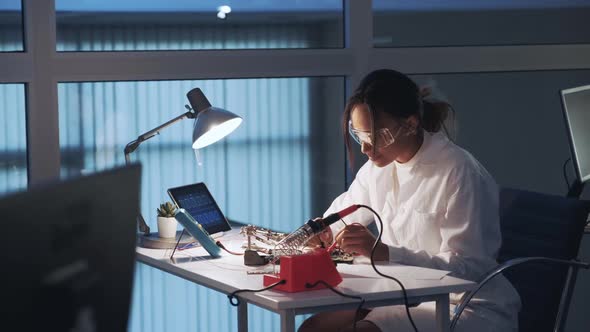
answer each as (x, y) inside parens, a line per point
(133, 145)
(155, 131)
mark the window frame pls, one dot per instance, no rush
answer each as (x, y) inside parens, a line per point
(41, 67)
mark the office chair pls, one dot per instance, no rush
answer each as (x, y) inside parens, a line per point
(542, 232)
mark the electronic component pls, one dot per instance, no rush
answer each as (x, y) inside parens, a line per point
(339, 256)
(294, 243)
(198, 232)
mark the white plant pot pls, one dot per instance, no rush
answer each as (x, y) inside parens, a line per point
(167, 227)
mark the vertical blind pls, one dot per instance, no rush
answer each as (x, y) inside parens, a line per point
(259, 170)
(13, 167)
(13, 145)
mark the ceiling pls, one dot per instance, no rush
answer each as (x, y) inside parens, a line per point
(293, 5)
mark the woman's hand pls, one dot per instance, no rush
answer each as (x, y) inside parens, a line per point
(324, 238)
(356, 238)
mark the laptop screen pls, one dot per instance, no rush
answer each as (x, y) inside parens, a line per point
(576, 108)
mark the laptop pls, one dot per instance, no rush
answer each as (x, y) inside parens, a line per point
(68, 251)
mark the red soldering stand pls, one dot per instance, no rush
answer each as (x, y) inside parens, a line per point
(308, 268)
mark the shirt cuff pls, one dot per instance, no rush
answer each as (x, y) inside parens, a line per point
(396, 254)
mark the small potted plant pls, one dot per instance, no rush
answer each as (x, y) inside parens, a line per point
(166, 221)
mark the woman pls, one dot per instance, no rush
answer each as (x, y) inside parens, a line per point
(438, 204)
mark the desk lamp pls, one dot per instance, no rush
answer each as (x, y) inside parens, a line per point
(211, 125)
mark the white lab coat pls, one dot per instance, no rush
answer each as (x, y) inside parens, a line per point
(440, 210)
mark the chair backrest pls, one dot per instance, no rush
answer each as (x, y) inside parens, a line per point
(535, 224)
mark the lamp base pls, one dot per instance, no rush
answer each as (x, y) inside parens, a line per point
(153, 241)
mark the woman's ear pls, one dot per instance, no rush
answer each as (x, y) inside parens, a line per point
(412, 124)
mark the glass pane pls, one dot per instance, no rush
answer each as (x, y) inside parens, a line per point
(11, 26)
(282, 166)
(483, 22)
(128, 25)
(512, 122)
(13, 138)
(286, 156)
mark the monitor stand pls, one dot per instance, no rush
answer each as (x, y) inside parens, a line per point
(576, 189)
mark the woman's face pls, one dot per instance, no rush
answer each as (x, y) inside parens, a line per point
(402, 149)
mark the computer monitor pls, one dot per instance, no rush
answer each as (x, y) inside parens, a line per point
(68, 252)
(576, 110)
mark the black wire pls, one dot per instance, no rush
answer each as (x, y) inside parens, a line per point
(384, 275)
(565, 172)
(233, 296)
(345, 224)
(358, 309)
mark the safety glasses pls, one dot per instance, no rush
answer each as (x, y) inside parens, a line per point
(383, 137)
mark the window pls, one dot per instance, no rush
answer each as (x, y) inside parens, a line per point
(11, 26)
(487, 22)
(271, 164)
(96, 119)
(100, 25)
(276, 170)
(13, 139)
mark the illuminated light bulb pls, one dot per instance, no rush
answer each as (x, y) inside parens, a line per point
(224, 9)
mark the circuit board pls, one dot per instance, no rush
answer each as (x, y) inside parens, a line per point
(339, 256)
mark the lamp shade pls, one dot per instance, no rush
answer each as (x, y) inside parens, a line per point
(211, 123)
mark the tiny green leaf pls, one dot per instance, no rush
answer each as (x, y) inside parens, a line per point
(166, 209)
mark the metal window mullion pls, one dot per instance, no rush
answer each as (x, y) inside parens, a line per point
(41, 97)
(358, 27)
(179, 65)
(358, 36)
(16, 67)
(465, 59)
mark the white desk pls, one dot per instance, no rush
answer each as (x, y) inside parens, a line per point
(228, 273)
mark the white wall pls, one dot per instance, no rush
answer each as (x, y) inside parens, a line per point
(513, 123)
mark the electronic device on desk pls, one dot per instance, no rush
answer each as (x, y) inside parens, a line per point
(200, 204)
(69, 253)
(198, 232)
(576, 111)
(299, 268)
(260, 242)
(256, 254)
(340, 256)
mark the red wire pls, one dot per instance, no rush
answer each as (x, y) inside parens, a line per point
(229, 251)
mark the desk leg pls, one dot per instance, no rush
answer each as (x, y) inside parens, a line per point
(443, 320)
(287, 321)
(243, 316)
